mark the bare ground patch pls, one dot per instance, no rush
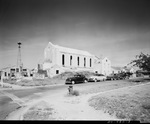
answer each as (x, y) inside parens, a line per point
(40, 111)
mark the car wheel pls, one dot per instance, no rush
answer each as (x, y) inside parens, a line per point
(85, 81)
(72, 82)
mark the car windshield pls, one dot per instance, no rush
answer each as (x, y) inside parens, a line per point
(77, 75)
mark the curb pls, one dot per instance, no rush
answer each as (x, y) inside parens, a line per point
(19, 88)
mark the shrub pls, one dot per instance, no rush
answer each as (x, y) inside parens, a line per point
(22, 84)
(5, 86)
(75, 92)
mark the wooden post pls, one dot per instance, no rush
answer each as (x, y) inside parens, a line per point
(2, 77)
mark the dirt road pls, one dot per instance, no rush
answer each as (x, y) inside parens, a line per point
(66, 108)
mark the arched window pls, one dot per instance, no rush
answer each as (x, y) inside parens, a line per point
(5, 73)
(84, 62)
(57, 71)
(78, 61)
(90, 62)
(70, 60)
(63, 59)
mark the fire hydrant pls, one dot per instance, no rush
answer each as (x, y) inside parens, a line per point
(70, 89)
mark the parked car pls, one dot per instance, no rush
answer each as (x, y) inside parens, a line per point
(112, 77)
(121, 76)
(78, 78)
(124, 75)
(97, 77)
(118, 76)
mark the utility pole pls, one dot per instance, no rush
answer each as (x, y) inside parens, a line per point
(19, 62)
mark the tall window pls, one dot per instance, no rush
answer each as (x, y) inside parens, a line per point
(84, 62)
(90, 62)
(78, 60)
(63, 59)
(57, 71)
(70, 60)
(5, 73)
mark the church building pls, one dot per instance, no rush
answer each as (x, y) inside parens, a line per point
(58, 59)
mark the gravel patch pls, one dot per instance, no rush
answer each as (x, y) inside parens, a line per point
(40, 111)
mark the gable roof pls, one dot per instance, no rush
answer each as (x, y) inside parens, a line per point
(71, 50)
(5, 68)
(11, 67)
(100, 59)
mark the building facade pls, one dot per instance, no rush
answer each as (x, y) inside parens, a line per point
(116, 70)
(10, 72)
(58, 59)
(102, 66)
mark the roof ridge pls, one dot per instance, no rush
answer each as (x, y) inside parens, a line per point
(77, 51)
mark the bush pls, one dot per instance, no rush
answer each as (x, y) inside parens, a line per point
(75, 92)
(5, 86)
(66, 74)
(24, 85)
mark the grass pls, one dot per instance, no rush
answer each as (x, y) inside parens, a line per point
(146, 105)
(36, 82)
(59, 79)
(139, 79)
(75, 93)
(7, 108)
(124, 106)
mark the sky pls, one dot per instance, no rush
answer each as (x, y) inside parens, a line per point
(116, 29)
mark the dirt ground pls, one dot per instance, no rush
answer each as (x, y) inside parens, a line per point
(61, 106)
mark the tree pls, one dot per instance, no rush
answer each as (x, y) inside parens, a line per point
(142, 61)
